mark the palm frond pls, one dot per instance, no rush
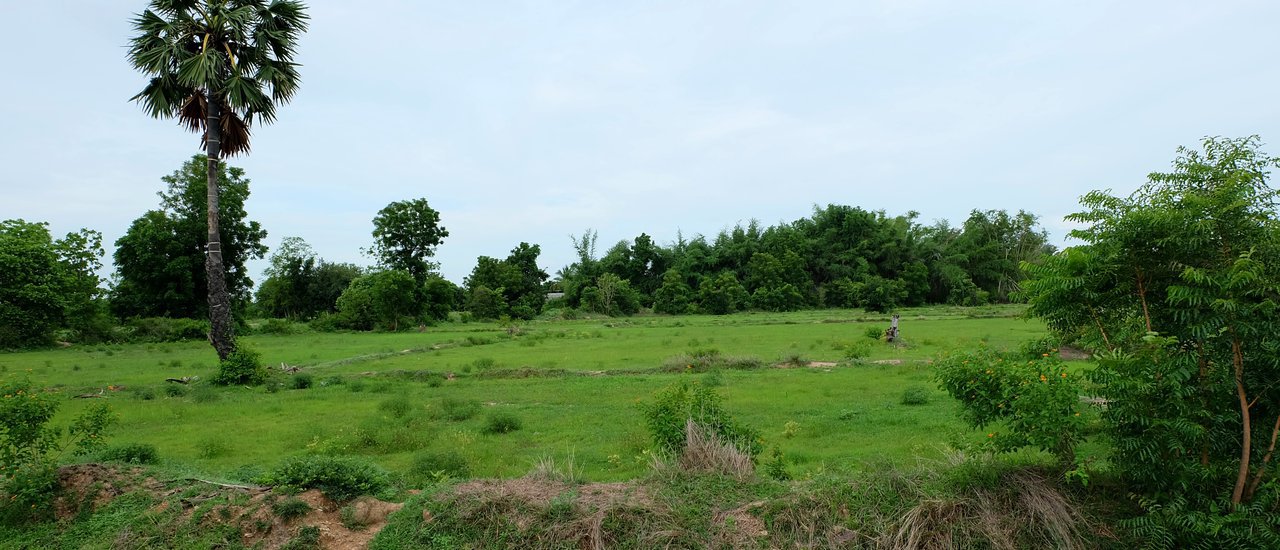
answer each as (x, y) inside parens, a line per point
(238, 53)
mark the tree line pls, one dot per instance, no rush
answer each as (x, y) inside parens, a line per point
(839, 257)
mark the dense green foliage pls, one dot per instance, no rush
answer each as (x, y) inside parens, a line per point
(406, 234)
(339, 478)
(841, 256)
(676, 405)
(30, 449)
(1178, 288)
(511, 287)
(299, 285)
(159, 261)
(46, 285)
(1022, 401)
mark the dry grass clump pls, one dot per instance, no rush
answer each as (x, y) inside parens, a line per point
(704, 452)
(1027, 511)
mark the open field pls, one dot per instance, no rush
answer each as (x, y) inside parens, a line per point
(574, 385)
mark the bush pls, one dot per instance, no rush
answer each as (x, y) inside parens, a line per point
(28, 447)
(431, 467)
(282, 326)
(291, 508)
(164, 329)
(501, 423)
(337, 477)
(679, 403)
(915, 395)
(458, 409)
(397, 407)
(131, 453)
(175, 390)
(301, 381)
(243, 366)
(1036, 401)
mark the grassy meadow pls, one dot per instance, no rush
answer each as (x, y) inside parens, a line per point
(574, 385)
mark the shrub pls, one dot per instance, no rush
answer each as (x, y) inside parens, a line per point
(679, 403)
(915, 395)
(776, 467)
(308, 538)
(164, 329)
(501, 423)
(349, 518)
(144, 393)
(337, 477)
(458, 409)
(431, 467)
(1037, 401)
(282, 326)
(131, 453)
(301, 381)
(291, 508)
(243, 366)
(397, 407)
(175, 390)
(29, 448)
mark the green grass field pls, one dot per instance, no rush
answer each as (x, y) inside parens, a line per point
(574, 385)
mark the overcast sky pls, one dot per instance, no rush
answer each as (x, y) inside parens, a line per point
(531, 121)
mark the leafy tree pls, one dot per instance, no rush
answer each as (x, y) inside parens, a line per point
(991, 247)
(46, 284)
(674, 296)
(286, 290)
(216, 65)
(518, 280)
(160, 260)
(721, 294)
(379, 300)
(1178, 286)
(406, 234)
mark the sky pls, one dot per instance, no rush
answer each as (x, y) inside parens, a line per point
(534, 121)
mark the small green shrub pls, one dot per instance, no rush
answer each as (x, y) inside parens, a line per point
(431, 467)
(397, 407)
(243, 366)
(212, 447)
(915, 395)
(301, 381)
(874, 333)
(29, 448)
(131, 453)
(501, 423)
(857, 351)
(164, 329)
(333, 380)
(339, 478)
(458, 410)
(672, 407)
(143, 393)
(282, 326)
(175, 390)
(291, 508)
(347, 514)
(776, 466)
(1035, 403)
(308, 538)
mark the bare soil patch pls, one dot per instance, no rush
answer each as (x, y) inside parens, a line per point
(96, 485)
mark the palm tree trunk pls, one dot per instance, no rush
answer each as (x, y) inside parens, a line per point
(221, 329)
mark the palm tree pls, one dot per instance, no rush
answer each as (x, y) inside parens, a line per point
(216, 65)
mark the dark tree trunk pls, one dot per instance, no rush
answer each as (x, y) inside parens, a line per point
(221, 329)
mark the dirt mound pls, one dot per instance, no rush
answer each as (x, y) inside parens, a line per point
(248, 508)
